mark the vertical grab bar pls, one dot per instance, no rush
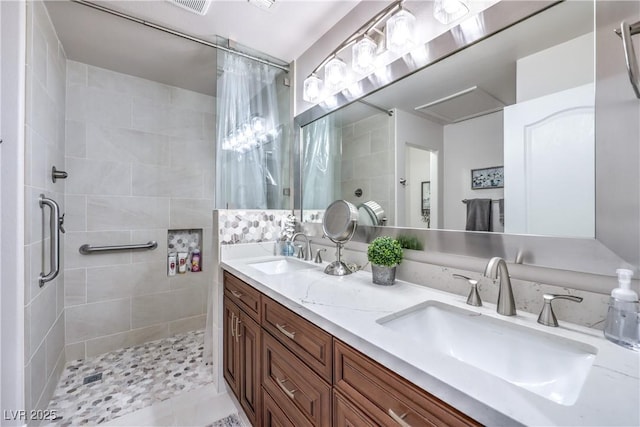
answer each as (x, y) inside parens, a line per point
(55, 224)
(626, 31)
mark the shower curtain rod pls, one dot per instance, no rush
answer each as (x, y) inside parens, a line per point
(178, 33)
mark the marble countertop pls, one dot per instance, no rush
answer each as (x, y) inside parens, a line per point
(348, 307)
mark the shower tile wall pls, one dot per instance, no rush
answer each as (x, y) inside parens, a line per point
(367, 162)
(140, 158)
(45, 108)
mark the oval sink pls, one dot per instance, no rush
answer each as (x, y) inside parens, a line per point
(280, 266)
(547, 365)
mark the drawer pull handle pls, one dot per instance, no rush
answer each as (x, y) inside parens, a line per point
(288, 334)
(236, 294)
(288, 392)
(399, 418)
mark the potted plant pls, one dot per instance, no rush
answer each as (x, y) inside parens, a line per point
(384, 254)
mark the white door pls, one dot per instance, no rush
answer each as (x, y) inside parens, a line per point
(549, 157)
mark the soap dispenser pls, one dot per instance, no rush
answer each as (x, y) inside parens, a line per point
(621, 326)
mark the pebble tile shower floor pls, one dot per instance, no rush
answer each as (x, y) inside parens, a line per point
(132, 378)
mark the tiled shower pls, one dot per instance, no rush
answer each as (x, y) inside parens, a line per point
(140, 162)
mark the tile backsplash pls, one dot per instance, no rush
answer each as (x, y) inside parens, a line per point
(250, 226)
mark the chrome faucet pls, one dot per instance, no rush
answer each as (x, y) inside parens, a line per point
(497, 269)
(306, 252)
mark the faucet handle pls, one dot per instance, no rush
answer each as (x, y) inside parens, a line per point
(547, 317)
(474, 297)
(300, 251)
(318, 259)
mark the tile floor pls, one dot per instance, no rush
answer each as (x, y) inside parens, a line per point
(163, 382)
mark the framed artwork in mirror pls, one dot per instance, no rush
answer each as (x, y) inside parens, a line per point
(492, 177)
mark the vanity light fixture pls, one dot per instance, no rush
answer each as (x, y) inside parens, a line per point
(335, 74)
(399, 27)
(400, 31)
(447, 11)
(364, 55)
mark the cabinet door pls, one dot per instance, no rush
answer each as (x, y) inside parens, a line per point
(231, 344)
(249, 334)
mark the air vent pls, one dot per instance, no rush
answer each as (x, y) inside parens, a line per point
(196, 6)
(464, 105)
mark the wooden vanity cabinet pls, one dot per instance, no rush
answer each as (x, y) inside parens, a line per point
(286, 371)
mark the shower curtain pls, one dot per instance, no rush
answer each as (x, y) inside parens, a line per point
(249, 136)
(321, 163)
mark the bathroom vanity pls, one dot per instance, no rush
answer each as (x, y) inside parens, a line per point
(305, 348)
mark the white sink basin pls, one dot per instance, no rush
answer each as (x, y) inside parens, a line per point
(547, 365)
(281, 265)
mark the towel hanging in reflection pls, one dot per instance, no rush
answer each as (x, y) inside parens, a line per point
(478, 215)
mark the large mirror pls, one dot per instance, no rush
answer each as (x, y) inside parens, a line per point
(498, 137)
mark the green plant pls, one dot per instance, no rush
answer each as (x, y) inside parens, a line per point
(409, 242)
(385, 251)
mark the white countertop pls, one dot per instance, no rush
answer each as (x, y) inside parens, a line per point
(348, 307)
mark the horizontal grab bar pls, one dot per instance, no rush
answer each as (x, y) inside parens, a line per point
(88, 249)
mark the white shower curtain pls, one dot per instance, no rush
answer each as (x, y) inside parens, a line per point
(321, 163)
(249, 135)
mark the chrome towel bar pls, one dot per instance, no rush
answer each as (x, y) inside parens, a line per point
(55, 225)
(88, 249)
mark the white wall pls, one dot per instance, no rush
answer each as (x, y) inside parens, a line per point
(44, 148)
(560, 67)
(140, 158)
(412, 130)
(471, 144)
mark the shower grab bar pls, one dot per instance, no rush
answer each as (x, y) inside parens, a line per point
(55, 226)
(625, 32)
(88, 249)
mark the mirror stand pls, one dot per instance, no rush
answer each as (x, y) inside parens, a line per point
(337, 267)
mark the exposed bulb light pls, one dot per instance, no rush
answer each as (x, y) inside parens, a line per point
(335, 74)
(364, 56)
(400, 31)
(447, 11)
(312, 89)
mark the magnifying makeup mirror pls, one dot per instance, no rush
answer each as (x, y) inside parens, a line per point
(339, 224)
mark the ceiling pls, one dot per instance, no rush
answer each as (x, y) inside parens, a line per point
(284, 32)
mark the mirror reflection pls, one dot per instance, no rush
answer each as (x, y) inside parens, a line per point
(498, 137)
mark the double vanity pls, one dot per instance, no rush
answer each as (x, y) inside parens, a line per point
(329, 350)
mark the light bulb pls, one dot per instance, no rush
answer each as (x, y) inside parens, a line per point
(257, 124)
(364, 55)
(312, 89)
(447, 11)
(400, 31)
(335, 73)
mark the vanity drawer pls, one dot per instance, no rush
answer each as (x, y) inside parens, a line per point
(274, 416)
(384, 395)
(292, 385)
(244, 295)
(303, 338)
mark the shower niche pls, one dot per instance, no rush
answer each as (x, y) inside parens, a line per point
(184, 251)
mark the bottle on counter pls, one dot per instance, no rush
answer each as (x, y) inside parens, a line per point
(621, 325)
(171, 264)
(195, 260)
